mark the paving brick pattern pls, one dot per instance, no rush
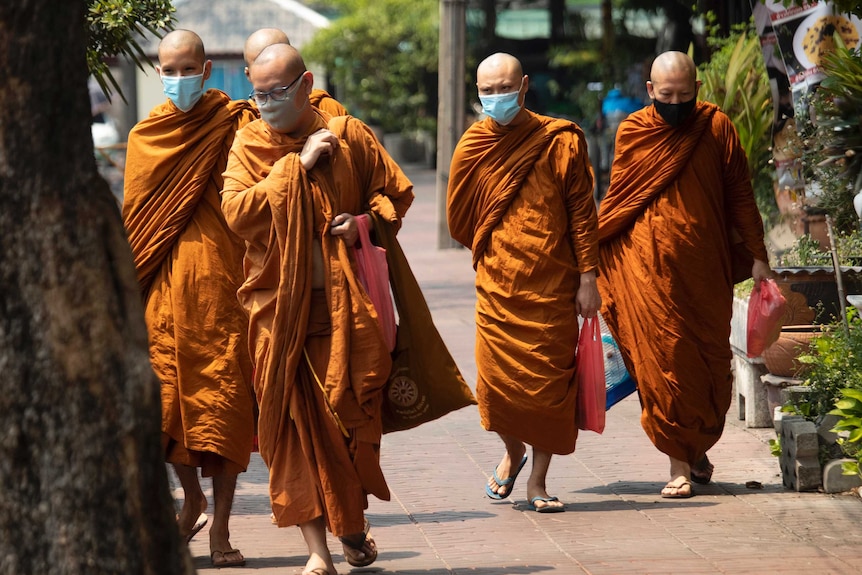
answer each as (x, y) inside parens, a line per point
(440, 523)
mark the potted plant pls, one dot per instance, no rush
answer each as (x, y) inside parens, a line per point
(848, 410)
(830, 402)
(832, 363)
(832, 156)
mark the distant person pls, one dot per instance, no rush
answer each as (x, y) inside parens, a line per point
(679, 189)
(615, 107)
(103, 129)
(264, 37)
(521, 198)
(294, 184)
(189, 267)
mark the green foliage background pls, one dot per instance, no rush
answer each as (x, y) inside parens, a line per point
(834, 143)
(382, 54)
(115, 26)
(833, 364)
(734, 78)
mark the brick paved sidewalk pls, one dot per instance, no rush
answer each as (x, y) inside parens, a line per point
(439, 521)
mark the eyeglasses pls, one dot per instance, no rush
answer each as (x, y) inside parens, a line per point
(277, 94)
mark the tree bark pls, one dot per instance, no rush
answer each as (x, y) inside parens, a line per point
(83, 485)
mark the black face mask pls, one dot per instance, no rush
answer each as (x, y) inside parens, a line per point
(675, 114)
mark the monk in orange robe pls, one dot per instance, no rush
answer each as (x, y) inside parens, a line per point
(260, 39)
(189, 266)
(294, 182)
(679, 185)
(520, 196)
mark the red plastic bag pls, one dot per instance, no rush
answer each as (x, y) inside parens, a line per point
(373, 272)
(590, 366)
(765, 309)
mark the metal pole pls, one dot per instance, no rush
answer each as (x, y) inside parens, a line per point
(450, 113)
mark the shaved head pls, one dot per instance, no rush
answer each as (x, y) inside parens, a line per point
(279, 59)
(676, 64)
(501, 74)
(259, 40)
(184, 41)
(500, 63)
(673, 78)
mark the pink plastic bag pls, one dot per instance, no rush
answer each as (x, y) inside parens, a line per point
(373, 272)
(590, 366)
(765, 310)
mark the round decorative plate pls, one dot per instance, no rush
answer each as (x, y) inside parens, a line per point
(814, 36)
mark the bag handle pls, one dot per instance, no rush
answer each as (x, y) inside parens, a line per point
(362, 224)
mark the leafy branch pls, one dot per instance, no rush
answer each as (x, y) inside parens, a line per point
(115, 29)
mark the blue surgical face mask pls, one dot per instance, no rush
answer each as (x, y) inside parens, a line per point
(184, 91)
(502, 107)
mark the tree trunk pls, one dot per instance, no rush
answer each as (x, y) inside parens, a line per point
(608, 42)
(83, 487)
(489, 32)
(558, 17)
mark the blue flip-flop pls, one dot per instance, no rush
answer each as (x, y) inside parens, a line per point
(545, 508)
(508, 482)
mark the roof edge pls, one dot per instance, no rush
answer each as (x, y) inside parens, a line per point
(304, 12)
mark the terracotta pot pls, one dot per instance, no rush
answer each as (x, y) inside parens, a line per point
(818, 286)
(780, 358)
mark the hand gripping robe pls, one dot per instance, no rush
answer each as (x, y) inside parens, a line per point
(320, 358)
(665, 233)
(521, 197)
(189, 266)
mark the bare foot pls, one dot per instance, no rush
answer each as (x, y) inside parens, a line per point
(227, 558)
(317, 565)
(679, 488)
(546, 504)
(502, 481)
(360, 550)
(701, 472)
(192, 518)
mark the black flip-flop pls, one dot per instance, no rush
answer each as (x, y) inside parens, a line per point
(701, 472)
(353, 542)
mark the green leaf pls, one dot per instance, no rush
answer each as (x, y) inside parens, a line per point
(852, 393)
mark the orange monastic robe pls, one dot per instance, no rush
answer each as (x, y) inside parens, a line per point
(189, 266)
(521, 198)
(320, 414)
(321, 100)
(666, 268)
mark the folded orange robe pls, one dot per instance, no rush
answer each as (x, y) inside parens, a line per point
(521, 198)
(321, 100)
(320, 425)
(189, 266)
(666, 268)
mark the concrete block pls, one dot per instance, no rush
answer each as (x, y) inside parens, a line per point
(800, 468)
(808, 476)
(795, 394)
(834, 480)
(801, 437)
(751, 396)
(778, 418)
(827, 437)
